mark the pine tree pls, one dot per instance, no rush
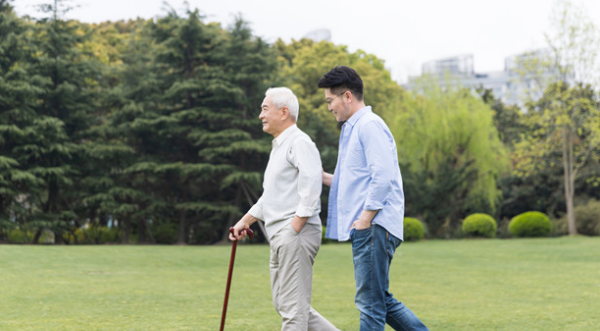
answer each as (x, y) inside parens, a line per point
(193, 128)
(249, 69)
(20, 89)
(68, 108)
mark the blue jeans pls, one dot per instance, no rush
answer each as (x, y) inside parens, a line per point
(373, 249)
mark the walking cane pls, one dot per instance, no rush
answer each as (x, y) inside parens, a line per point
(250, 233)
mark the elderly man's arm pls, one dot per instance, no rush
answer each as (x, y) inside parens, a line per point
(253, 215)
(307, 160)
(243, 224)
(327, 178)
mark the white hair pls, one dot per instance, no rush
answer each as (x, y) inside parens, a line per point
(284, 97)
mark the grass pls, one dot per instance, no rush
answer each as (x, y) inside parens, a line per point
(525, 284)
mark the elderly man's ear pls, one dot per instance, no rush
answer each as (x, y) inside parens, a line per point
(286, 113)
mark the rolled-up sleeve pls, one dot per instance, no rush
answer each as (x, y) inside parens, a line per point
(257, 210)
(305, 157)
(379, 149)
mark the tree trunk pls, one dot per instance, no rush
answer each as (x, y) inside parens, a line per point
(126, 230)
(37, 236)
(58, 239)
(569, 179)
(181, 228)
(149, 231)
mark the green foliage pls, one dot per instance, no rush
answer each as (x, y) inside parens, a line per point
(93, 234)
(587, 219)
(413, 229)
(565, 121)
(129, 122)
(564, 133)
(20, 236)
(530, 224)
(450, 153)
(303, 62)
(480, 225)
(507, 118)
(165, 233)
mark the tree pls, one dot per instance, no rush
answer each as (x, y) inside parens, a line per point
(450, 153)
(507, 118)
(250, 67)
(568, 111)
(303, 62)
(67, 109)
(186, 108)
(565, 124)
(20, 90)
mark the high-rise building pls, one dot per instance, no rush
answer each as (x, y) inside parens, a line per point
(523, 76)
(319, 35)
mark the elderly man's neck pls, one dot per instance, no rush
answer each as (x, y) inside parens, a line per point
(283, 128)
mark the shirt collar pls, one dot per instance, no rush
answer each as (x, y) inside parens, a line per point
(286, 133)
(354, 118)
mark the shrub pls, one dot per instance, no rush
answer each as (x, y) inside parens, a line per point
(480, 225)
(413, 229)
(93, 235)
(46, 237)
(530, 224)
(559, 227)
(587, 219)
(165, 233)
(19, 236)
(109, 235)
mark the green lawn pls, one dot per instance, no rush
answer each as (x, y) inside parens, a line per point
(531, 284)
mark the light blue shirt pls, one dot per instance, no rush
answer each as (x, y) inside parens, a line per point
(367, 177)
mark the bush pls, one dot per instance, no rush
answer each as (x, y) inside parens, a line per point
(587, 219)
(18, 236)
(530, 224)
(413, 229)
(110, 235)
(165, 233)
(46, 237)
(93, 235)
(480, 225)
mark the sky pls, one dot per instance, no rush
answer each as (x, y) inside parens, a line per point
(403, 33)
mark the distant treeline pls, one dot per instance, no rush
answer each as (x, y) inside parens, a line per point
(147, 131)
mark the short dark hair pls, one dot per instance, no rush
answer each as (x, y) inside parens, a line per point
(343, 78)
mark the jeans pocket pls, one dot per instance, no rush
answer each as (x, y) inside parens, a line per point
(361, 236)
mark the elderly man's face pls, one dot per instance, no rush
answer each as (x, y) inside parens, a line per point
(272, 117)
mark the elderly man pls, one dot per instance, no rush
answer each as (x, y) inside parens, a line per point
(290, 207)
(366, 201)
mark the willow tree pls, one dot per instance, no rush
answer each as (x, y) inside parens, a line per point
(450, 152)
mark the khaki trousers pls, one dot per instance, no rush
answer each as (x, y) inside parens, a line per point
(292, 258)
